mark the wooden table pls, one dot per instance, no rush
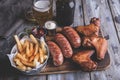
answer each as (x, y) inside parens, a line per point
(109, 13)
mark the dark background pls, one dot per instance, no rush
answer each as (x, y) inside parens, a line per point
(10, 11)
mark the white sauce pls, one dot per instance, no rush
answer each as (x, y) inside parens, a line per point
(42, 6)
(50, 25)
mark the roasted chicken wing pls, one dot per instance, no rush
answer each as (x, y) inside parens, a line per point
(84, 60)
(91, 29)
(99, 43)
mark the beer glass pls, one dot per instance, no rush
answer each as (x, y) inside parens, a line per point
(42, 11)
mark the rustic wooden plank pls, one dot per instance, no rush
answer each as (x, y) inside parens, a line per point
(82, 76)
(74, 76)
(115, 9)
(70, 76)
(42, 77)
(114, 48)
(100, 8)
(98, 75)
(14, 28)
(78, 14)
(56, 77)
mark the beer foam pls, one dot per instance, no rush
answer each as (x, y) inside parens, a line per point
(50, 25)
(42, 6)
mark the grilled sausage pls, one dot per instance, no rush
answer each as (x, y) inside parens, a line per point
(64, 45)
(72, 36)
(56, 53)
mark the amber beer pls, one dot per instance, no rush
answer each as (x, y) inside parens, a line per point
(42, 11)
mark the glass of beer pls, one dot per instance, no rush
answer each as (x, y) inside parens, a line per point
(42, 11)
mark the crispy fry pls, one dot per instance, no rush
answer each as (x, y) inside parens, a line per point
(33, 39)
(27, 48)
(19, 45)
(25, 56)
(28, 64)
(24, 44)
(31, 58)
(14, 58)
(41, 55)
(19, 64)
(45, 57)
(31, 50)
(23, 68)
(28, 68)
(21, 57)
(43, 47)
(36, 58)
(17, 61)
(36, 49)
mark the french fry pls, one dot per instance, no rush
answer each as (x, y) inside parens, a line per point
(27, 48)
(17, 61)
(19, 64)
(23, 68)
(36, 49)
(33, 39)
(31, 58)
(14, 58)
(25, 56)
(36, 58)
(25, 44)
(19, 45)
(21, 57)
(28, 68)
(43, 47)
(45, 57)
(31, 50)
(41, 55)
(28, 64)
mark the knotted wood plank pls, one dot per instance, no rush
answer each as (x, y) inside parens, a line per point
(115, 9)
(100, 8)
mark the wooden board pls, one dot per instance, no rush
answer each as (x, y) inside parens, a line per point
(70, 66)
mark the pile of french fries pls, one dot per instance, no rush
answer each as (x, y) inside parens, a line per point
(30, 53)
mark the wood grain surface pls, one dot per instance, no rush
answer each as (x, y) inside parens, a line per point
(107, 10)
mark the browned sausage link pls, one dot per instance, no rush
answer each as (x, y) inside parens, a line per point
(72, 36)
(56, 53)
(64, 45)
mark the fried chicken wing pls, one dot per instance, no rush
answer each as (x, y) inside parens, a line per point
(91, 29)
(84, 60)
(99, 43)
